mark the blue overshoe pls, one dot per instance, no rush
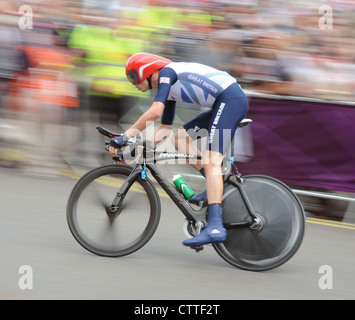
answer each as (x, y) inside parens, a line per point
(199, 198)
(208, 235)
(214, 233)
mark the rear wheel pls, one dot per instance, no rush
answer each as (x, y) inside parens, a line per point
(278, 234)
(117, 233)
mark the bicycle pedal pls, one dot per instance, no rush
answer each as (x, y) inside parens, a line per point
(197, 248)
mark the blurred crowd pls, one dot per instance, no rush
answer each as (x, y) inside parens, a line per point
(63, 61)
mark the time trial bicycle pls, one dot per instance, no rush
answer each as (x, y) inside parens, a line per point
(114, 210)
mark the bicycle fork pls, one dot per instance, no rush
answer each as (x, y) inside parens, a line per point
(114, 209)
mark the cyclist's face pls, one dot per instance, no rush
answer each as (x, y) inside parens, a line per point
(143, 86)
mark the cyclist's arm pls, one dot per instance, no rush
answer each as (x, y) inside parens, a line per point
(161, 133)
(152, 114)
(167, 78)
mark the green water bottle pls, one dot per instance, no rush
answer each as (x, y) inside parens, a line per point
(183, 187)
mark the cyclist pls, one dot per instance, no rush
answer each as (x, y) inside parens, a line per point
(207, 87)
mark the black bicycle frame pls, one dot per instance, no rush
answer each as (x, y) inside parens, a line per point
(147, 162)
(190, 214)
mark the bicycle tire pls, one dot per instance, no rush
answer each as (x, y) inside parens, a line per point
(283, 225)
(142, 196)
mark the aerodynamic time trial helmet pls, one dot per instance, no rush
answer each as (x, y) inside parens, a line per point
(142, 65)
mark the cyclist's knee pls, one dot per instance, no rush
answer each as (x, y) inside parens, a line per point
(212, 162)
(179, 138)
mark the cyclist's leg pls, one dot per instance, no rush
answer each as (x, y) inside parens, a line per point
(196, 128)
(227, 113)
(214, 180)
(220, 123)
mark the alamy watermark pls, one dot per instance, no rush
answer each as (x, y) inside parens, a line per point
(325, 282)
(26, 280)
(325, 22)
(202, 140)
(26, 20)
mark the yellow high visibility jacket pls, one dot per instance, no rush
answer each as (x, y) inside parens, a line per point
(106, 53)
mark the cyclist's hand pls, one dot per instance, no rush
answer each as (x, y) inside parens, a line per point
(113, 151)
(117, 143)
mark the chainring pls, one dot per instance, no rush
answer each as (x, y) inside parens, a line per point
(189, 229)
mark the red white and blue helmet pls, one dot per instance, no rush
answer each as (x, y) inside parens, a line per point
(142, 65)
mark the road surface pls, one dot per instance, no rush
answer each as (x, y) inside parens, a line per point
(40, 259)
